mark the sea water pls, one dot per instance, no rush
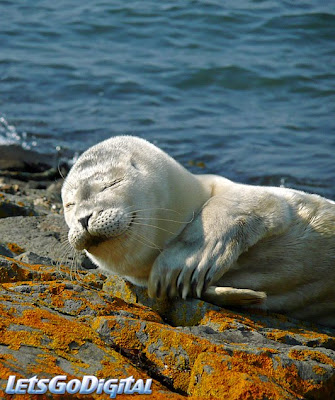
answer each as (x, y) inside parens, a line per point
(242, 88)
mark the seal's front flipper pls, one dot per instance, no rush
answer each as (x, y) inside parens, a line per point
(229, 296)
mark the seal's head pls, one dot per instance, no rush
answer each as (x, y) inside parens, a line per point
(122, 201)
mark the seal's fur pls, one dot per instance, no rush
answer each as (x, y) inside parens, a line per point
(140, 214)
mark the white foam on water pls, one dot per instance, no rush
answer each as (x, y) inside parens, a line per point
(10, 135)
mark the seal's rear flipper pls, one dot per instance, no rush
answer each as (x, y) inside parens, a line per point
(229, 296)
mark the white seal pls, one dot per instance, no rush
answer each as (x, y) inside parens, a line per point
(138, 213)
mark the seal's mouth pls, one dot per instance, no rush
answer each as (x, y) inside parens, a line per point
(95, 241)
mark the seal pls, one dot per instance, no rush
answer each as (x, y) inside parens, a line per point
(138, 213)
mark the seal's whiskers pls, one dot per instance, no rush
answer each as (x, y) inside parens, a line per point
(153, 226)
(65, 251)
(143, 240)
(166, 219)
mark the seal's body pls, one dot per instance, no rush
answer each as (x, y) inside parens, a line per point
(140, 214)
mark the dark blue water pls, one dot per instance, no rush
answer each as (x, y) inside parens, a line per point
(245, 87)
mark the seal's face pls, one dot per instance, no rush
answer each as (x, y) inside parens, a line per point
(112, 197)
(94, 214)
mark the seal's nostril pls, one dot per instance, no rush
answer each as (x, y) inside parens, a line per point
(84, 221)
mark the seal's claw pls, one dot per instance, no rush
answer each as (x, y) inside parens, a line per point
(158, 289)
(199, 289)
(168, 290)
(193, 285)
(207, 281)
(185, 292)
(180, 288)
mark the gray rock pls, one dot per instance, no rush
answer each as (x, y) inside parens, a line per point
(46, 236)
(13, 205)
(34, 259)
(54, 191)
(4, 251)
(15, 158)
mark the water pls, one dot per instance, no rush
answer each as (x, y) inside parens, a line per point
(241, 88)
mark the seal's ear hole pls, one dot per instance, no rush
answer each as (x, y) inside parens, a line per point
(133, 164)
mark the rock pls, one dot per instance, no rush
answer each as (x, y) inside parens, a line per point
(43, 235)
(26, 201)
(46, 236)
(15, 158)
(183, 312)
(87, 263)
(55, 320)
(32, 258)
(46, 333)
(40, 177)
(12, 270)
(259, 376)
(54, 191)
(4, 251)
(8, 188)
(51, 325)
(211, 366)
(10, 206)
(14, 248)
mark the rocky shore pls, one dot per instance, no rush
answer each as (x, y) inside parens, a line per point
(61, 316)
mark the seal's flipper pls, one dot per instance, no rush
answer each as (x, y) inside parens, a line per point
(229, 296)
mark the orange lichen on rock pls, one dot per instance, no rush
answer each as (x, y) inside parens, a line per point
(9, 360)
(45, 324)
(305, 336)
(288, 377)
(278, 335)
(120, 288)
(45, 363)
(319, 370)
(170, 352)
(60, 338)
(71, 327)
(15, 248)
(250, 376)
(20, 271)
(305, 354)
(226, 319)
(235, 378)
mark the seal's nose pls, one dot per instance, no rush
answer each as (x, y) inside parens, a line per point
(84, 221)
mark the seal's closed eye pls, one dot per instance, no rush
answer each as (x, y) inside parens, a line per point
(111, 184)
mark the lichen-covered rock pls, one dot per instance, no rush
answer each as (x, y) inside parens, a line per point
(179, 312)
(54, 326)
(210, 365)
(12, 270)
(46, 330)
(4, 251)
(29, 257)
(55, 321)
